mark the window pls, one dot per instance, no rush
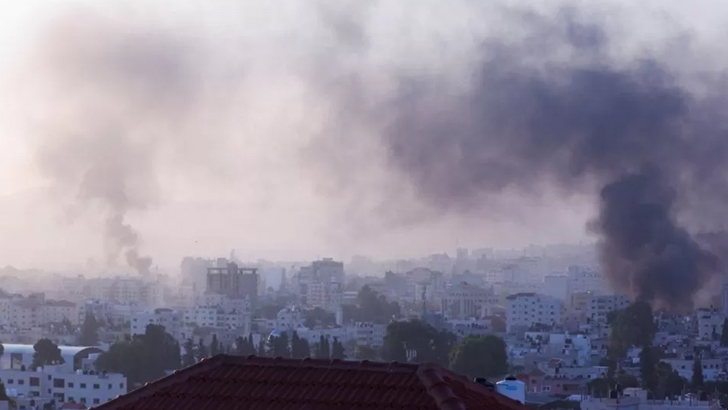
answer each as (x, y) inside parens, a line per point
(97, 401)
(59, 383)
(83, 385)
(10, 381)
(121, 385)
(109, 386)
(70, 384)
(34, 381)
(21, 381)
(83, 400)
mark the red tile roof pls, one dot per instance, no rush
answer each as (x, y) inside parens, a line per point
(261, 383)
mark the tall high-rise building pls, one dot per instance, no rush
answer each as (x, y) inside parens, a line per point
(234, 282)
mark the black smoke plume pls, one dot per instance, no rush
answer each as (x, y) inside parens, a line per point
(529, 121)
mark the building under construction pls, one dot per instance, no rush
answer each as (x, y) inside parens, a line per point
(234, 282)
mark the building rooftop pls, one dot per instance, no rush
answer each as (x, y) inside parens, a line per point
(11, 348)
(235, 382)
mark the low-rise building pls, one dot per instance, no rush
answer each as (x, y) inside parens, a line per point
(370, 334)
(170, 319)
(52, 383)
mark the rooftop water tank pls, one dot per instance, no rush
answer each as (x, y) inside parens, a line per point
(513, 388)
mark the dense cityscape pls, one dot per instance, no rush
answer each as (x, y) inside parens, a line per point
(363, 205)
(545, 315)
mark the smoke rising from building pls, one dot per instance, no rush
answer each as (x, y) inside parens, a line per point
(529, 122)
(116, 100)
(445, 125)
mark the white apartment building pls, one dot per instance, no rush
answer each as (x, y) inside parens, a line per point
(106, 311)
(26, 314)
(325, 295)
(599, 306)
(56, 311)
(370, 334)
(129, 291)
(170, 319)
(463, 300)
(710, 324)
(289, 319)
(213, 316)
(524, 310)
(50, 383)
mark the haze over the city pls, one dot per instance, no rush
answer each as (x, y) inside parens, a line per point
(231, 124)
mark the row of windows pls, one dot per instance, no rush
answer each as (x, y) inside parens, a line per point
(58, 383)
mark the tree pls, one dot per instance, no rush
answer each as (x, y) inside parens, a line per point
(427, 344)
(670, 383)
(498, 324)
(261, 348)
(244, 346)
(319, 317)
(299, 347)
(480, 356)
(214, 346)
(697, 381)
(631, 326)
(89, 331)
(46, 353)
(4, 396)
(270, 312)
(374, 307)
(144, 357)
(189, 357)
(322, 349)
(202, 352)
(366, 353)
(337, 350)
(163, 350)
(648, 368)
(279, 345)
(724, 334)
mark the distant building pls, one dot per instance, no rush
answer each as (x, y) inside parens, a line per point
(170, 319)
(56, 311)
(599, 306)
(321, 284)
(710, 324)
(524, 310)
(234, 282)
(463, 300)
(585, 279)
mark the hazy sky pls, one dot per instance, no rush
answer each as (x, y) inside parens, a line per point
(212, 139)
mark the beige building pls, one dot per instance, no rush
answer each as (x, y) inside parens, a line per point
(463, 301)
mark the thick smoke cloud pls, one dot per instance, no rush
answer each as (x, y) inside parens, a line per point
(553, 107)
(528, 121)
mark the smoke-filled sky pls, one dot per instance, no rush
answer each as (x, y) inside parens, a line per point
(304, 129)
